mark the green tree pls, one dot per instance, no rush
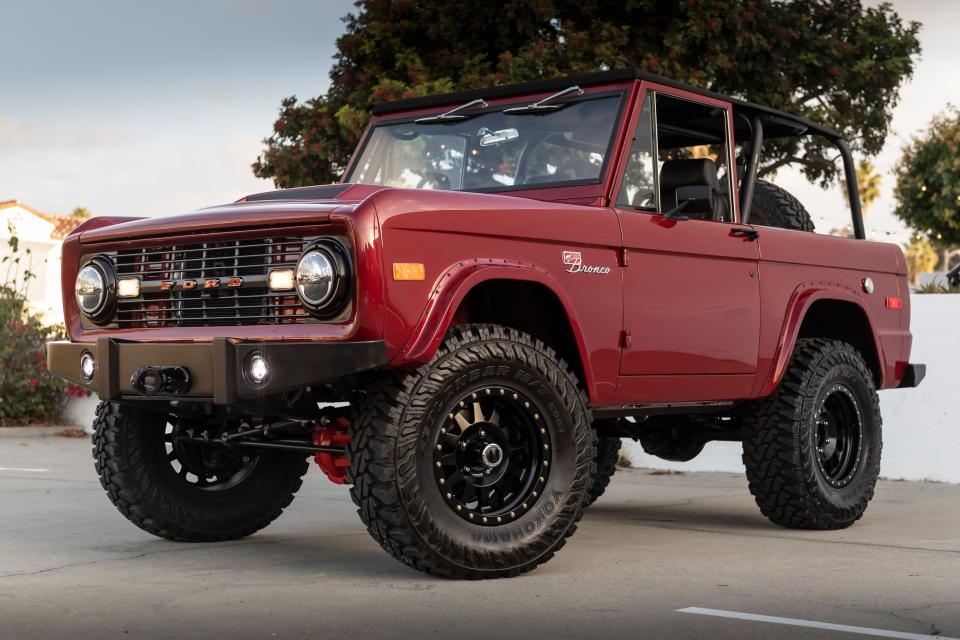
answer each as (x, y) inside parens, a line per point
(921, 257)
(928, 180)
(835, 62)
(81, 212)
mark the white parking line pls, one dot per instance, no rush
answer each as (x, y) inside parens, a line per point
(813, 624)
(24, 469)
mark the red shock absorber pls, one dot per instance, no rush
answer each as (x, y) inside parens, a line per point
(334, 434)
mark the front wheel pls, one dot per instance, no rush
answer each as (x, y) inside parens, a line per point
(477, 464)
(812, 449)
(163, 481)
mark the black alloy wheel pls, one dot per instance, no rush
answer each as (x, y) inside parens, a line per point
(477, 464)
(201, 465)
(492, 455)
(839, 436)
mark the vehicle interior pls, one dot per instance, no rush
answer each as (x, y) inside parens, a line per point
(495, 150)
(679, 160)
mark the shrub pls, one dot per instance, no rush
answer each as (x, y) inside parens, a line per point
(933, 287)
(29, 394)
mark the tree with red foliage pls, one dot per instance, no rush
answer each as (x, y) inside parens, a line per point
(835, 62)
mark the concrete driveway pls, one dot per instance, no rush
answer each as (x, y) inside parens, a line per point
(71, 567)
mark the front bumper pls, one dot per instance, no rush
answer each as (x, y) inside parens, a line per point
(216, 369)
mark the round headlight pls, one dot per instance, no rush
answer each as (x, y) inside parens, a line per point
(91, 289)
(316, 277)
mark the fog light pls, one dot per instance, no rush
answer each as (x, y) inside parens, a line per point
(88, 366)
(257, 369)
(128, 287)
(281, 280)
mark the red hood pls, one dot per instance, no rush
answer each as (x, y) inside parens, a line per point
(246, 213)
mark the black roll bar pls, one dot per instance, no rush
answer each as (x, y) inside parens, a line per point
(750, 178)
(850, 174)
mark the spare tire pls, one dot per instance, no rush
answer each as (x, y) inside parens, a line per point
(776, 207)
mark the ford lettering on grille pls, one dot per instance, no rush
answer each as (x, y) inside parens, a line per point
(209, 284)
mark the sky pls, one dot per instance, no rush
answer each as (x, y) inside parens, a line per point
(136, 108)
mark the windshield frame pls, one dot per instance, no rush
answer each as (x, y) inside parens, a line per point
(590, 93)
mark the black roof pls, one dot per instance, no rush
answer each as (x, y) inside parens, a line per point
(776, 123)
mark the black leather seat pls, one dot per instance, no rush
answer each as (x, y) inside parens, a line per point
(693, 179)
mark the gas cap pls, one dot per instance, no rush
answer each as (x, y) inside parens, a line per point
(868, 284)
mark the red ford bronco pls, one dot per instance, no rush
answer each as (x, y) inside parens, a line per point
(505, 284)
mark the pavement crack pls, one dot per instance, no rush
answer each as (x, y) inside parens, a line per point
(934, 629)
(136, 556)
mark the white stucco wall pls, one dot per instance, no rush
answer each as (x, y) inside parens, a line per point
(43, 260)
(921, 427)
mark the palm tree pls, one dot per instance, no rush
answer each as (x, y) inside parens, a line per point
(868, 184)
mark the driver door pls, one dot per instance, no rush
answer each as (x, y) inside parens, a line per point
(691, 293)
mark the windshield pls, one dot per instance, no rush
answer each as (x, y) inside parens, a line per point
(492, 150)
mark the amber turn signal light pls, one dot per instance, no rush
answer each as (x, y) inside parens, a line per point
(408, 271)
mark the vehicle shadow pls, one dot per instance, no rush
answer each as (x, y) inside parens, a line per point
(691, 513)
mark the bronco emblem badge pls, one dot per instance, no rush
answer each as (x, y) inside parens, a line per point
(573, 260)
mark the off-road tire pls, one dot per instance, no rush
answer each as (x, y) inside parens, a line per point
(776, 207)
(393, 476)
(607, 454)
(779, 440)
(131, 462)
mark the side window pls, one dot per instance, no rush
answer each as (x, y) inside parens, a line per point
(678, 160)
(693, 158)
(639, 188)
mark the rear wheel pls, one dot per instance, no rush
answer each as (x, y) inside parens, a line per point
(607, 454)
(161, 479)
(477, 464)
(812, 449)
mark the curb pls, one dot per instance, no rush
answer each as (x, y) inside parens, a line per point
(32, 432)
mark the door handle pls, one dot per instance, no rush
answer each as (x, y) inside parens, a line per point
(744, 232)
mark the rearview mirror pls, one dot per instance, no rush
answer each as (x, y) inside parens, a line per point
(489, 138)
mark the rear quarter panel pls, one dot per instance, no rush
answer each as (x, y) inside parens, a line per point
(797, 268)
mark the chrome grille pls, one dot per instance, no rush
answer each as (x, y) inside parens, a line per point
(229, 284)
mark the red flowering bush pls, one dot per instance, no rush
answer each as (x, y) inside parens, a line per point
(29, 394)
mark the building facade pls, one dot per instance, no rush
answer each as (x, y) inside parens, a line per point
(39, 238)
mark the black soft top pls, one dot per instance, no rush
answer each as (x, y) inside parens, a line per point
(775, 123)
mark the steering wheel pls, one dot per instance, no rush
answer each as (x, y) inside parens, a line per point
(438, 181)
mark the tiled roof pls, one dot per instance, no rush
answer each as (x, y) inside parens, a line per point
(62, 225)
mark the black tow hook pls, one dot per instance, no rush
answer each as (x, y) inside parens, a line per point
(155, 380)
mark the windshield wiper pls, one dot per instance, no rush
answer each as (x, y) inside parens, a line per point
(544, 105)
(454, 115)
